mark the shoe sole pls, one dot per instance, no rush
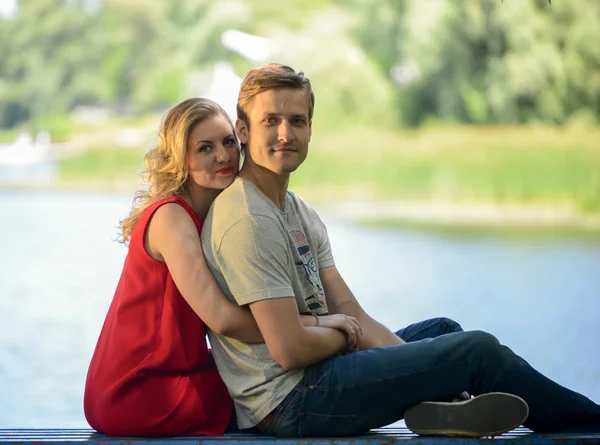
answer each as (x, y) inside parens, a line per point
(489, 414)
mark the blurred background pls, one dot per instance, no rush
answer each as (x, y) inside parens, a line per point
(455, 159)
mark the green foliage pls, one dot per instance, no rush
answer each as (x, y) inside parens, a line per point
(58, 125)
(48, 60)
(505, 166)
(377, 62)
(102, 163)
(509, 62)
(8, 136)
(350, 88)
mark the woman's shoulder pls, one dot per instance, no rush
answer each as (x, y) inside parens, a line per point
(171, 207)
(170, 211)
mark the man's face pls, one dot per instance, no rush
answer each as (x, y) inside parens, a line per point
(279, 130)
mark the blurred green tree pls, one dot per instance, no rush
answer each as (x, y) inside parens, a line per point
(505, 62)
(379, 62)
(50, 51)
(379, 28)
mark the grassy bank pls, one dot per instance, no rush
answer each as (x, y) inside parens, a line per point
(520, 166)
(102, 165)
(504, 166)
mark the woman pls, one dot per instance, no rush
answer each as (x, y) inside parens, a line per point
(152, 373)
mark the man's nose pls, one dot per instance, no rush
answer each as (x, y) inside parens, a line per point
(284, 131)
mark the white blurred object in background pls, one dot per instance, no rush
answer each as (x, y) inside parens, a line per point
(27, 160)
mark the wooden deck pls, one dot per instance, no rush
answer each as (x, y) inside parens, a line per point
(383, 436)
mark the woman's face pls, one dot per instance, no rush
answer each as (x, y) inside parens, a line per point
(212, 153)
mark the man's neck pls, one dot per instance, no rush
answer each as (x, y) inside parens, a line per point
(274, 186)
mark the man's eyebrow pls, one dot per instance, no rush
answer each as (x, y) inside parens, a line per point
(272, 114)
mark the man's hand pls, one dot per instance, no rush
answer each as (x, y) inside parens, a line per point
(348, 325)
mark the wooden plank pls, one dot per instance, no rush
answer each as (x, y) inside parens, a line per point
(382, 436)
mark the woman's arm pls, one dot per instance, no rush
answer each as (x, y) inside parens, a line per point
(172, 237)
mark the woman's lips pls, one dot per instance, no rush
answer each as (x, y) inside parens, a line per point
(225, 171)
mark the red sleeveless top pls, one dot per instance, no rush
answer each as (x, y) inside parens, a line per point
(152, 373)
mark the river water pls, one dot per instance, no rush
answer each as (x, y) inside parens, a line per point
(59, 267)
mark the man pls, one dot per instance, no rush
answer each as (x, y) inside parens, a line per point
(269, 250)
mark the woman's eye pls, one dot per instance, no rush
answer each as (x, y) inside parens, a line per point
(205, 148)
(230, 142)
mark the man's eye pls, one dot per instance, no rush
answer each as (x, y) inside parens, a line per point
(299, 121)
(270, 121)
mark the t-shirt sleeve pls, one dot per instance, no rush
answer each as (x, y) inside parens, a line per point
(319, 231)
(324, 252)
(253, 257)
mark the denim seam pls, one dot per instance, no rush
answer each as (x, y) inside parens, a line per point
(351, 417)
(283, 414)
(303, 393)
(539, 394)
(427, 327)
(313, 388)
(330, 417)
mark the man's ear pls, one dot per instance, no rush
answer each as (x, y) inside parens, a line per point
(242, 131)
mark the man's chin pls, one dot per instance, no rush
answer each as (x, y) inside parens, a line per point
(282, 169)
(287, 170)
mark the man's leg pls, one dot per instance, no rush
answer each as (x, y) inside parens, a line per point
(431, 328)
(351, 394)
(434, 327)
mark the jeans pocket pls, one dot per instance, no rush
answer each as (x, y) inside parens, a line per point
(286, 416)
(312, 424)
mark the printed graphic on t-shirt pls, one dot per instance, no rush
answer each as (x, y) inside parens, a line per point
(316, 302)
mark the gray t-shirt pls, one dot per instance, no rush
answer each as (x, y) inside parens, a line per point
(256, 252)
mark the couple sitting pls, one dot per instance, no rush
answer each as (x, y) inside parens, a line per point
(293, 352)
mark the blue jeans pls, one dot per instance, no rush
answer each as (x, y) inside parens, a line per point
(350, 394)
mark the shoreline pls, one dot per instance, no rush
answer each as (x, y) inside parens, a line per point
(437, 215)
(465, 216)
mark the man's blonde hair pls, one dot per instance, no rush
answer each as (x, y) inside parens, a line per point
(273, 76)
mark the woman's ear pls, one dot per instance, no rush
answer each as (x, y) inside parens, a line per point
(242, 131)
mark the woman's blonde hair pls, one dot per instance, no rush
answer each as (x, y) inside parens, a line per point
(165, 171)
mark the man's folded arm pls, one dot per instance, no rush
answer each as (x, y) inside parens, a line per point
(341, 300)
(291, 344)
(254, 258)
